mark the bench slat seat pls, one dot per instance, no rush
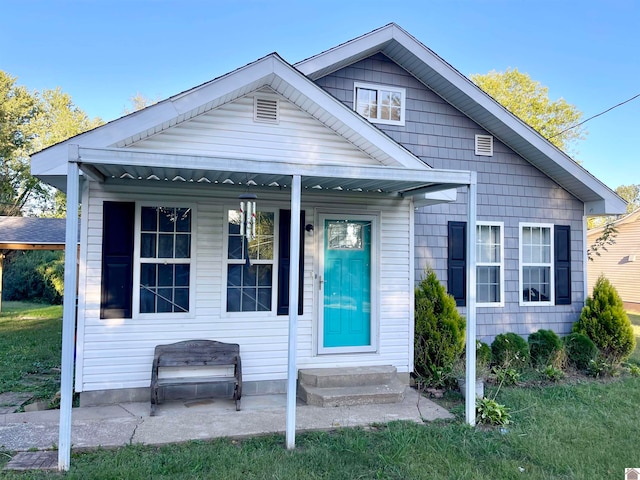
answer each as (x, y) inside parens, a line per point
(196, 353)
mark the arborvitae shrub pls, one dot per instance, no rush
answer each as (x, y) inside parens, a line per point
(580, 350)
(544, 347)
(439, 331)
(604, 320)
(510, 350)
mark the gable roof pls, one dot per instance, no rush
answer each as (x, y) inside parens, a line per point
(464, 95)
(270, 71)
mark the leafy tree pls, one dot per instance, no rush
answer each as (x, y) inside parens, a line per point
(138, 102)
(30, 122)
(17, 108)
(631, 193)
(529, 101)
(34, 275)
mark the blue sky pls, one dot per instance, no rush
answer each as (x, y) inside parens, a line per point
(104, 52)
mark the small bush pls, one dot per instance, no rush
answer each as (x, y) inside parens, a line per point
(600, 367)
(440, 329)
(580, 350)
(552, 373)
(490, 412)
(544, 347)
(604, 320)
(510, 350)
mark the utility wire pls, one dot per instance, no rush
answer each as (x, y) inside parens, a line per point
(596, 115)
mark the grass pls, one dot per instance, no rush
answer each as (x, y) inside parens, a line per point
(582, 429)
(30, 348)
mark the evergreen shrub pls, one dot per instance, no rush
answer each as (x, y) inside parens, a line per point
(439, 330)
(510, 350)
(580, 350)
(604, 320)
(545, 346)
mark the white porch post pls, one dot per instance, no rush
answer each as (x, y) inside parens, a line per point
(470, 393)
(292, 372)
(69, 309)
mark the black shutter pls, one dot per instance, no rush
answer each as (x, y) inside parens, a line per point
(457, 262)
(284, 261)
(117, 259)
(562, 264)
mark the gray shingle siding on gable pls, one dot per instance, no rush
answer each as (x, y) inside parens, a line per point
(510, 190)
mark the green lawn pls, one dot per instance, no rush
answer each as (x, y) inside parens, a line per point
(582, 429)
(30, 347)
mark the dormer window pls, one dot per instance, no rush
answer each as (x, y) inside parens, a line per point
(380, 103)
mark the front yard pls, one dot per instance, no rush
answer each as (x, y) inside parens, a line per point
(582, 428)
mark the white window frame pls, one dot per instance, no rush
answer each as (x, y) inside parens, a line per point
(549, 264)
(138, 261)
(379, 88)
(226, 261)
(499, 264)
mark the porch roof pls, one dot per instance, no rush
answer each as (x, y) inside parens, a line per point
(110, 165)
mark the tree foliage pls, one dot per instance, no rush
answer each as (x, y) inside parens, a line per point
(631, 193)
(138, 102)
(608, 237)
(529, 101)
(29, 122)
(34, 275)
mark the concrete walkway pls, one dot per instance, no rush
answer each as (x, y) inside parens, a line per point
(122, 424)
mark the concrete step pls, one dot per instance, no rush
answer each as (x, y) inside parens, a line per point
(391, 392)
(346, 377)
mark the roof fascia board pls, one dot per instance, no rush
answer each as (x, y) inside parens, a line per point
(109, 156)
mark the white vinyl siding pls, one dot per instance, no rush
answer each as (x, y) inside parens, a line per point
(231, 132)
(536, 264)
(490, 264)
(117, 353)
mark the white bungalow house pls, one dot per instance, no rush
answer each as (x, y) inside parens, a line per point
(367, 162)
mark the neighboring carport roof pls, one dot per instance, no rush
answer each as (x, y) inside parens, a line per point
(32, 233)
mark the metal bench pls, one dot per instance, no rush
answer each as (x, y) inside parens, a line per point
(192, 354)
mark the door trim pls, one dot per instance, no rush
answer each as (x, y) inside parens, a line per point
(373, 217)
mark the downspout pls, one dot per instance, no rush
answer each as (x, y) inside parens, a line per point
(470, 377)
(69, 309)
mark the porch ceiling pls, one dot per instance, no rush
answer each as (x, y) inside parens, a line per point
(116, 165)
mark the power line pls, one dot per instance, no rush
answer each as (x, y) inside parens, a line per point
(597, 115)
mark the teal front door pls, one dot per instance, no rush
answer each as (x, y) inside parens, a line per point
(347, 283)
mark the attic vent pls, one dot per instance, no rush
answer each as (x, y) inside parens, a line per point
(265, 110)
(484, 145)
